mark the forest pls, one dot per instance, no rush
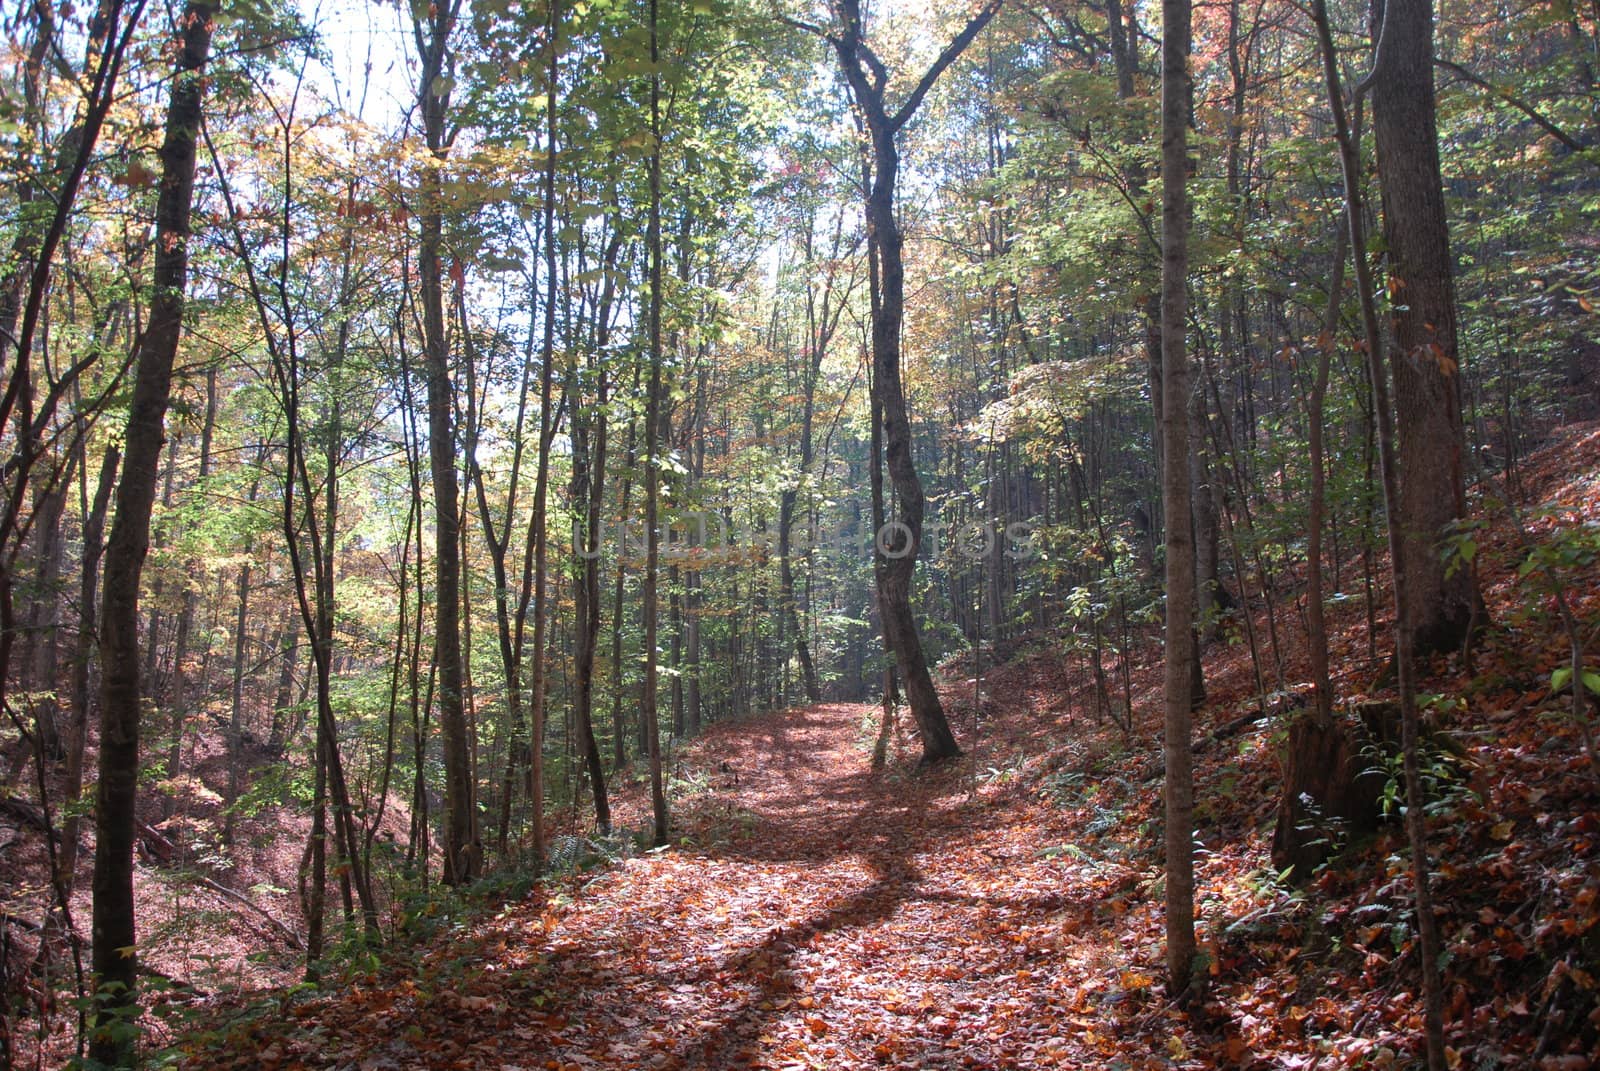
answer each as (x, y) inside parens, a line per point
(799, 534)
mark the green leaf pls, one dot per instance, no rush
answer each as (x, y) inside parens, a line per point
(1560, 678)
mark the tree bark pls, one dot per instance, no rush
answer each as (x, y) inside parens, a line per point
(1177, 746)
(462, 853)
(1426, 371)
(868, 79)
(652, 432)
(1389, 469)
(94, 526)
(114, 958)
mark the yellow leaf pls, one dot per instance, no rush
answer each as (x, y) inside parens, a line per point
(1136, 980)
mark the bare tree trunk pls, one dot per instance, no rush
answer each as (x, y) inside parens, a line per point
(114, 959)
(867, 80)
(462, 852)
(692, 700)
(590, 435)
(619, 736)
(1316, 622)
(44, 616)
(588, 491)
(178, 688)
(541, 480)
(1426, 369)
(652, 431)
(82, 694)
(314, 899)
(241, 620)
(1177, 744)
(1388, 466)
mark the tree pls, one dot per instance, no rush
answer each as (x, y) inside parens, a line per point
(868, 79)
(1445, 604)
(26, 284)
(115, 961)
(652, 447)
(1177, 746)
(1389, 465)
(463, 854)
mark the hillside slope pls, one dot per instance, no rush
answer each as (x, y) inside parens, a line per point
(1004, 910)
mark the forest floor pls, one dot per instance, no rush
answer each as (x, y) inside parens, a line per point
(1004, 910)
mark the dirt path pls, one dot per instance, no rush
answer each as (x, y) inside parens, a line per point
(831, 918)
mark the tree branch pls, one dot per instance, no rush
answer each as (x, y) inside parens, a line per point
(1512, 99)
(947, 57)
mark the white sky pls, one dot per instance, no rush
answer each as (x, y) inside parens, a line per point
(370, 49)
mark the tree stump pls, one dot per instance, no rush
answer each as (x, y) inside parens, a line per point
(1333, 787)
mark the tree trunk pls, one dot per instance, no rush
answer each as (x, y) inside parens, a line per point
(462, 852)
(692, 717)
(1316, 620)
(241, 619)
(619, 734)
(867, 84)
(82, 693)
(1177, 746)
(1427, 382)
(588, 494)
(44, 617)
(1388, 467)
(115, 962)
(178, 688)
(541, 481)
(652, 431)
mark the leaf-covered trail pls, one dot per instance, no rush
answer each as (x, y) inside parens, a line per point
(840, 918)
(1003, 911)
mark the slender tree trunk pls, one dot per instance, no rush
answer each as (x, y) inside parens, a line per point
(588, 493)
(692, 699)
(1388, 466)
(652, 431)
(44, 616)
(82, 692)
(115, 962)
(462, 852)
(547, 430)
(178, 689)
(241, 619)
(284, 644)
(316, 897)
(619, 734)
(509, 620)
(867, 84)
(1177, 744)
(1316, 621)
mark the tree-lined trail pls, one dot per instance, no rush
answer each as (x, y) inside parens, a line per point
(1003, 910)
(438, 495)
(819, 914)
